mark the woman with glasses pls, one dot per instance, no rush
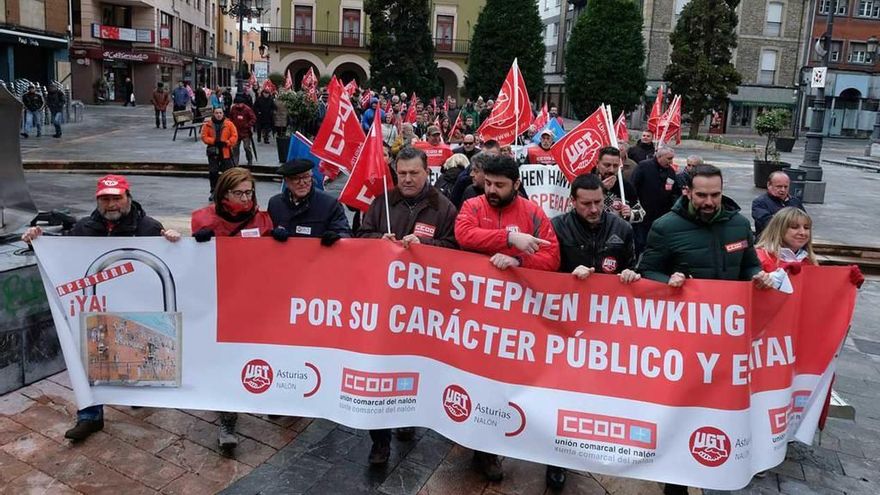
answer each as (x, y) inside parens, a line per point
(234, 213)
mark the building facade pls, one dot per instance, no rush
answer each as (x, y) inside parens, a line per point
(852, 87)
(149, 41)
(34, 40)
(332, 37)
(771, 35)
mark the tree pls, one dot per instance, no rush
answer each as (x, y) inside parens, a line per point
(506, 29)
(701, 70)
(401, 47)
(605, 56)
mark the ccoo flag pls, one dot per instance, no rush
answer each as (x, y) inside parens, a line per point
(512, 113)
(370, 177)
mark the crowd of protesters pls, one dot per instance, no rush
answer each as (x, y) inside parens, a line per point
(674, 225)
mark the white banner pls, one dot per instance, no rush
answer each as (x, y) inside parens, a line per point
(547, 187)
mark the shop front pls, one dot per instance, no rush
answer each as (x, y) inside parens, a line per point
(36, 57)
(101, 74)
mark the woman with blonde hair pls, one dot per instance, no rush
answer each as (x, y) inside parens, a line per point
(787, 241)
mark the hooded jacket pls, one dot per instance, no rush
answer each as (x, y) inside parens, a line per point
(721, 249)
(135, 224)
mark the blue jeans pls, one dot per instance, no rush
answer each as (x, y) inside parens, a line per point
(33, 118)
(91, 413)
(57, 119)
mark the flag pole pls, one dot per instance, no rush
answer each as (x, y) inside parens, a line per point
(387, 209)
(514, 87)
(612, 135)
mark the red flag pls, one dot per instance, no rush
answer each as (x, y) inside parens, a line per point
(656, 110)
(577, 152)
(621, 130)
(269, 86)
(512, 112)
(366, 96)
(340, 133)
(388, 106)
(434, 103)
(446, 106)
(455, 126)
(352, 87)
(411, 111)
(437, 123)
(288, 81)
(310, 84)
(328, 170)
(670, 122)
(541, 119)
(370, 177)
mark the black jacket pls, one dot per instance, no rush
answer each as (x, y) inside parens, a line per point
(135, 224)
(765, 206)
(315, 214)
(608, 248)
(469, 154)
(264, 107)
(431, 217)
(55, 101)
(446, 182)
(641, 152)
(650, 181)
(32, 102)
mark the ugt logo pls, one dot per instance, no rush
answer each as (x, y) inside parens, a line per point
(457, 403)
(581, 154)
(256, 376)
(710, 446)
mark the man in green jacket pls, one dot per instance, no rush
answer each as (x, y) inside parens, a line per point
(704, 236)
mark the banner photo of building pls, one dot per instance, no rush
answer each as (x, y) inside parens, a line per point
(703, 385)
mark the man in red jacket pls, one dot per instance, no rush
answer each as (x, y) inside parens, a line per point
(514, 232)
(244, 119)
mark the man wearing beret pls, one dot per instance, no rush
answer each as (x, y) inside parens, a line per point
(303, 211)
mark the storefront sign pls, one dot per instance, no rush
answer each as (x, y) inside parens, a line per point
(123, 34)
(28, 39)
(126, 55)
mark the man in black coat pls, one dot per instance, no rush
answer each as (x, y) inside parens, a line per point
(643, 149)
(264, 107)
(654, 181)
(55, 102)
(116, 215)
(303, 211)
(775, 199)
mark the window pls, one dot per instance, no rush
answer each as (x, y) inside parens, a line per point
(858, 53)
(555, 29)
(166, 30)
(116, 15)
(767, 74)
(740, 115)
(825, 6)
(869, 8)
(834, 56)
(443, 36)
(302, 24)
(186, 37)
(351, 27)
(550, 61)
(773, 23)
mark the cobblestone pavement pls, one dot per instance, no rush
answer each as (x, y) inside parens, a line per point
(174, 451)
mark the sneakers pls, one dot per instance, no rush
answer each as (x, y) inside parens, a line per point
(226, 433)
(555, 477)
(489, 465)
(379, 453)
(406, 434)
(83, 429)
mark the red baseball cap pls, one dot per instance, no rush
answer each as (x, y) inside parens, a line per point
(112, 184)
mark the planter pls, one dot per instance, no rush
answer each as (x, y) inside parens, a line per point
(283, 143)
(762, 170)
(785, 144)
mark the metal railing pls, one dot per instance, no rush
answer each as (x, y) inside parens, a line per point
(19, 87)
(314, 37)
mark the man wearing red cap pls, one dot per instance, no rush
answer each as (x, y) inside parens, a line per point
(116, 215)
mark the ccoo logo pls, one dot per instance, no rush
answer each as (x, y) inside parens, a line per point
(710, 446)
(457, 403)
(256, 376)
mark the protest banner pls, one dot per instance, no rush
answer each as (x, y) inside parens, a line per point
(702, 386)
(546, 186)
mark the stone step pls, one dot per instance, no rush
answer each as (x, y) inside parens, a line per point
(853, 164)
(870, 160)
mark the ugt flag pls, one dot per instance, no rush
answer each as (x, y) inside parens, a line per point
(578, 151)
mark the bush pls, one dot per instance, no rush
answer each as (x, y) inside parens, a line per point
(769, 124)
(277, 79)
(302, 112)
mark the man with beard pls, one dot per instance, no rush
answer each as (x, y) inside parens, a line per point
(644, 148)
(704, 236)
(117, 214)
(500, 223)
(540, 154)
(606, 169)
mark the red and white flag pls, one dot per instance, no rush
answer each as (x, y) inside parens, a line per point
(577, 152)
(310, 84)
(253, 81)
(366, 96)
(411, 111)
(437, 123)
(511, 114)
(340, 134)
(288, 81)
(352, 87)
(370, 177)
(269, 86)
(457, 124)
(656, 111)
(541, 119)
(620, 129)
(669, 126)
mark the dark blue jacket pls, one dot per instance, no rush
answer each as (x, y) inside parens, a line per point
(650, 181)
(765, 206)
(315, 214)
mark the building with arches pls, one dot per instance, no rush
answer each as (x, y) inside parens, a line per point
(332, 38)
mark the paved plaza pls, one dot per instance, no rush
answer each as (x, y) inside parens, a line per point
(150, 450)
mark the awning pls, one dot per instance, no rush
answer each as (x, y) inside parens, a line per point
(754, 96)
(31, 39)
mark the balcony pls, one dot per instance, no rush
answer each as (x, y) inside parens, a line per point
(306, 38)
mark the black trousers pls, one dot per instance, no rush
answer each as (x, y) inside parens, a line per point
(381, 436)
(217, 167)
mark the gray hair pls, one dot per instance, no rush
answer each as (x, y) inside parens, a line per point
(663, 150)
(479, 160)
(695, 159)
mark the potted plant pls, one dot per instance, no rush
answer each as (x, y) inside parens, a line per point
(302, 113)
(769, 124)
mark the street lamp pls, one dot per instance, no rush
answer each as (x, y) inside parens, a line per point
(239, 9)
(814, 190)
(875, 134)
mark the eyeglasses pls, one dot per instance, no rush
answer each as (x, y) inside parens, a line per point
(301, 179)
(466, 143)
(242, 194)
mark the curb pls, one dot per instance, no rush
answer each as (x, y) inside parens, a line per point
(260, 172)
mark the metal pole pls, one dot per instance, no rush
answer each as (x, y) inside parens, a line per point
(813, 148)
